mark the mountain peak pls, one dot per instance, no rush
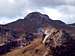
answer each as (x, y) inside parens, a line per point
(36, 15)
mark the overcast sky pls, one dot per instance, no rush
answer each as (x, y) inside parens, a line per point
(11, 10)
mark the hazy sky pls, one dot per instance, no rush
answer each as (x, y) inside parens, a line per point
(11, 10)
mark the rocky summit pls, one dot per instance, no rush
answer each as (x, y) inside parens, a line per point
(37, 35)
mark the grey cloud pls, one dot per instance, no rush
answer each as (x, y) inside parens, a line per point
(11, 10)
(8, 9)
(51, 3)
(68, 13)
(67, 9)
(20, 7)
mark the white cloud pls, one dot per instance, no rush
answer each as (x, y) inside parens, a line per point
(11, 1)
(68, 13)
(53, 13)
(5, 20)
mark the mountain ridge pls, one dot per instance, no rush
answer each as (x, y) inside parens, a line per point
(34, 18)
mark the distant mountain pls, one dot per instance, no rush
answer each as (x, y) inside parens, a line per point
(33, 21)
(72, 24)
(31, 31)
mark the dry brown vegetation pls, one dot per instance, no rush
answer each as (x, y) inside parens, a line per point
(36, 48)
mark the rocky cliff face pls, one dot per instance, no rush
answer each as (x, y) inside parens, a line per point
(56, 37)
(60, 42)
